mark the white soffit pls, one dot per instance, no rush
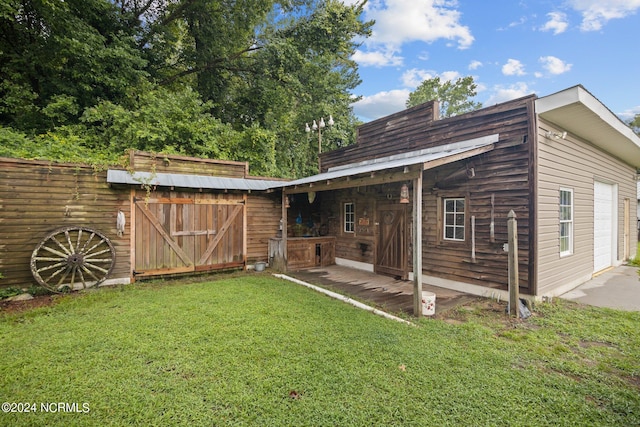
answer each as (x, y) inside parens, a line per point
(578, 112)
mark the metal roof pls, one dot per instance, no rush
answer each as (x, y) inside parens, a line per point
(115, 176)
(398, 160)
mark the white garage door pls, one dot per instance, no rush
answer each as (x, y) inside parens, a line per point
(603, 225)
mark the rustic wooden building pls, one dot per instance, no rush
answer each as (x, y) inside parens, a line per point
(420, 193)
(180, 215)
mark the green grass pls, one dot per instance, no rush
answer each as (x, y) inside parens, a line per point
(636, 260)
(254, 350)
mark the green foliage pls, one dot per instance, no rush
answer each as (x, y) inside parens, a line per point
(63, 145)
(9, 292)
(197, 77)
(199, 354)
(454, 97)
(635, 124)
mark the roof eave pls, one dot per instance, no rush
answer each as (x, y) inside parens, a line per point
(578, 112)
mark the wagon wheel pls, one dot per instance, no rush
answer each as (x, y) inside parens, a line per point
(72, 258)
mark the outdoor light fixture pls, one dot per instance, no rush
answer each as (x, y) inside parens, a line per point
(318, 127)
(287, 205)
(404, 193)
(556, 135)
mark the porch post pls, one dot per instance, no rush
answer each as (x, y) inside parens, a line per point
(417, 246)
(284, 228)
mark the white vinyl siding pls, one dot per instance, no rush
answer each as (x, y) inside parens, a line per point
(575, 164)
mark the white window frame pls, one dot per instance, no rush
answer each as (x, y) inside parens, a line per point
(567, 222)
(455, 225)
(349, 217)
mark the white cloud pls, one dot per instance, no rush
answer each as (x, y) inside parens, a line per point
(630, 113)
(381, 104)
(449, 76)
(404, 21)
(596, 13)
(557, 23)
(513, 67)
(554, 65)
(413, 77)
(377, 58)
(474, 65)
(502, 93)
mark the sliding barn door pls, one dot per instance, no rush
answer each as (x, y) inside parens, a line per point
(185, 232)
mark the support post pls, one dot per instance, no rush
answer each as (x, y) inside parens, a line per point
(512, 231)
(284, 229)
(417, 246)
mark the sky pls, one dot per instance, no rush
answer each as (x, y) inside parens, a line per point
(512, 48)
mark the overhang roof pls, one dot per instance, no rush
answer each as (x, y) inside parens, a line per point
(580, 113)
(115, 176)
(427, 158)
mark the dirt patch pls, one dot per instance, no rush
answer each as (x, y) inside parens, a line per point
(11, 307)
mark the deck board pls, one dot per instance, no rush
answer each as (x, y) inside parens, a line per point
(387, 293)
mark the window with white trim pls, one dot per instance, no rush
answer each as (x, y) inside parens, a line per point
(349, 217)
(566, 221)
(454, 219)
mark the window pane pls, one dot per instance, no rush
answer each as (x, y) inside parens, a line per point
(448, 233)
(449, 205)
(454, 221)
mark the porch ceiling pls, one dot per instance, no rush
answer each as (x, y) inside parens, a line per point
(398, 167)
(578, 112)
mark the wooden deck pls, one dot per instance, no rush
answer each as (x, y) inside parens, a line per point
(385, 293)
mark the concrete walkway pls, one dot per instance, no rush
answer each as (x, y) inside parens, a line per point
(617, 288)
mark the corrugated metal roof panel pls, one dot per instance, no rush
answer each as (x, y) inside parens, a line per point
(115, 176)
(395, 161)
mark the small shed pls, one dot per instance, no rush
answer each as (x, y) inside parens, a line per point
(180, 215)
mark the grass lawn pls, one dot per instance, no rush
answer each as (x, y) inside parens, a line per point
(254, 350)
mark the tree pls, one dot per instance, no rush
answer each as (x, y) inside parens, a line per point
(454, 97)
(635, 124)
(148, 74)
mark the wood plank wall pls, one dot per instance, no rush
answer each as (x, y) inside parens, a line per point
(264, 211)
(503, 173)
(142, 161)
(37, 197)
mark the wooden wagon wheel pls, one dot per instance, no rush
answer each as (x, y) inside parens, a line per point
(71, 258)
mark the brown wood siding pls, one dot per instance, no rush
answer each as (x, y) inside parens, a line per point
(37, 197)
(263, 220)
(503, 173)
(384, 137)
(575, 164)
(148, 162)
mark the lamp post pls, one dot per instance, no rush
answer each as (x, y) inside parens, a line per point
(318, 127)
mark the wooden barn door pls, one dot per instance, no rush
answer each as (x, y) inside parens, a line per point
(391, 247)
(186, 232)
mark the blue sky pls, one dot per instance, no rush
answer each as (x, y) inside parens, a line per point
(512, 48)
